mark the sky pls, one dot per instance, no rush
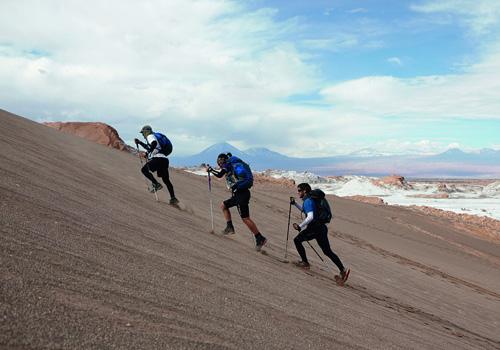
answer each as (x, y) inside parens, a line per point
(303, 78)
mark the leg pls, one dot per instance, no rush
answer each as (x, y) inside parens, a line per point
(146, 172)
(251, 225)
(301, 237)
(225, 211)
(163, 173)
(324, 244)
(243, 199)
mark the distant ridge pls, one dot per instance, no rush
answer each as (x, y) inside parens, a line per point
(451, 163)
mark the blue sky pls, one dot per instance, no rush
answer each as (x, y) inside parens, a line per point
(304, 78)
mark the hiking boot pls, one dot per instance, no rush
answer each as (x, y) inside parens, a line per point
(174, 201)
(155, 187)
(260, 243)
(302, 264)
(229, 230)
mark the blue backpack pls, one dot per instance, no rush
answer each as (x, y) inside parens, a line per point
(241, 172)
(165, 144)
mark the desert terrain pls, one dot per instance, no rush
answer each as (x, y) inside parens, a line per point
(90, 260)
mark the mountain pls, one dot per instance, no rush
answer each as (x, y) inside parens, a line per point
(452, 163)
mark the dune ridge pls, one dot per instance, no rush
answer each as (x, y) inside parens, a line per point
(89, 260)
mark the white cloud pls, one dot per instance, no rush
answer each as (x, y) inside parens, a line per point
(207, 66)
(358, 10)
(478, 15)
(473, 94)
(210, 70)
(395, 60)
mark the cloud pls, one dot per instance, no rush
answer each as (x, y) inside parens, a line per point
(212, 70)
(395, 60)
(358, 10)
(480, 16)
(197, 67)
(471, 95)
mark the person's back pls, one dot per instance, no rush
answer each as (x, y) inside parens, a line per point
(241, 171)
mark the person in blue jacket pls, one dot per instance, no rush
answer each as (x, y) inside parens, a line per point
(310, 229)
(239, 178)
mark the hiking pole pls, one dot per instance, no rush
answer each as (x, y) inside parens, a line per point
(139, 154)
(319, 256)
(288, 229)
(211, 203)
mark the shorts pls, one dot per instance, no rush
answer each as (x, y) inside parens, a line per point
(158, 164)
(240, 198)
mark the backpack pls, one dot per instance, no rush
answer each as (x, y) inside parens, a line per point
(241, 172)
(165, 144)
(324, 213)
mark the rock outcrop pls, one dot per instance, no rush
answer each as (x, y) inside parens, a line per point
(262, 179)
(367, 199)
(97, 132)
(397, 181)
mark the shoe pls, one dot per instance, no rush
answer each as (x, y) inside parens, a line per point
(228, 230)
(344, 274)
(155, 187)
(260, 243)
(174, 201)
(302, 264)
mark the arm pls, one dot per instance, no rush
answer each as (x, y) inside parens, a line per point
(309, 218)
(152, 148)
(142, 144)
(217, 174)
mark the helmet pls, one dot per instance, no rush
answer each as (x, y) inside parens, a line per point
(146, 130)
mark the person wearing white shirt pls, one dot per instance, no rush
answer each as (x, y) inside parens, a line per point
(157, 161)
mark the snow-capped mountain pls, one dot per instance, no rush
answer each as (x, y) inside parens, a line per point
(452, 163)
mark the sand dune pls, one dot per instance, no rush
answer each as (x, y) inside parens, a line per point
(89, 260)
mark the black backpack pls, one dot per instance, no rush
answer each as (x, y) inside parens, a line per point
(324, 213)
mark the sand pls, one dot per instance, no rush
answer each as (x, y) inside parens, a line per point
(89, 260)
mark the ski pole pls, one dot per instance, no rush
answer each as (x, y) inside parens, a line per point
(139, 154)
(211, 203)
(288, 229)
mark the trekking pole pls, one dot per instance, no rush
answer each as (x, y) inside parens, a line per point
(288, 229)
(319, 256)
(211, 203)
(139, 154)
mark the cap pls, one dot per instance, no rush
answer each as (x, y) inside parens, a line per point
(146, 128)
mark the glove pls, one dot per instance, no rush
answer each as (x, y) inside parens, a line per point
(209, 169)
(292, 200)
(136, 141)
(234, 188)
(296, 226)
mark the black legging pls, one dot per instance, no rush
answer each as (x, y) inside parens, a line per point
(320, 233)
(161, 167)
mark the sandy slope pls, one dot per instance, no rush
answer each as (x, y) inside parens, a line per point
(88, 260)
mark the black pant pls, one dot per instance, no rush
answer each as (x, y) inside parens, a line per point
(160, 165)
(320, 233)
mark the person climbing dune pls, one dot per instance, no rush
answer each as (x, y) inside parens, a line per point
(240, 179)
